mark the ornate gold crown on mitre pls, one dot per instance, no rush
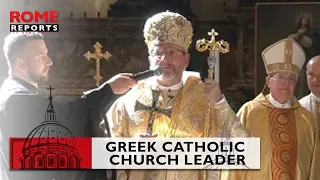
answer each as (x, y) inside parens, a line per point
(168, 27)
(285, 55)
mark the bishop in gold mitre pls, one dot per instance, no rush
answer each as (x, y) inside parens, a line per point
(173, 104)
(288, 135)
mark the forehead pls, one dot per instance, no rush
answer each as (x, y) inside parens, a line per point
(288, 74)
(36, 46)
(164, 46)
(314, 65)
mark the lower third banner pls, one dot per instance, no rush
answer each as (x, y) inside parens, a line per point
(132, 153)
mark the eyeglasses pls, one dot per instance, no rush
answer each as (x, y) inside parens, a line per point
(282, 78)
(169, 53)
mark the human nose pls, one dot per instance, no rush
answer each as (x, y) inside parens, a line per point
(286, 80)
(163, 56)
(49, 61)
(316, 78)
(290, 80)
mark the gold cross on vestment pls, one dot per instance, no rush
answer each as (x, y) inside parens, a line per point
(97, 55)
(152, 110)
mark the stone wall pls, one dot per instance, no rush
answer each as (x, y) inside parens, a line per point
(117, 26)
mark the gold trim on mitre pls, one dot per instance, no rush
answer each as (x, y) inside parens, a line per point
(285, 55)
(168, 27)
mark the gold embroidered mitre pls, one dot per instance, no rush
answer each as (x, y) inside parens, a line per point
(284, 55)
(168, 27)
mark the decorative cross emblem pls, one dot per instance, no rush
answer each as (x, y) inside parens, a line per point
(50, 89)
(97, 55)
(50, 108)
(212, 46)
(152, 110)
(288, 51)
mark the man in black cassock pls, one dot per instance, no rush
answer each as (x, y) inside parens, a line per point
(21, 110)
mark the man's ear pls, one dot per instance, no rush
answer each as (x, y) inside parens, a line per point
(19, 64)
(186, 59)
(268, 80)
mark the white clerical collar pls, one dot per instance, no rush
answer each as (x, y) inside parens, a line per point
(315, 97)
(276, 104)
(173, 88)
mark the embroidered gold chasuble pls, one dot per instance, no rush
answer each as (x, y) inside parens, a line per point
(187, 120)
(288, 138)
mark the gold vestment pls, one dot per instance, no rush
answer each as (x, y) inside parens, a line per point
(288, 138)
(189, 107)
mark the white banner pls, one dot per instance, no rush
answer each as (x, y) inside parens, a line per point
(176, 153)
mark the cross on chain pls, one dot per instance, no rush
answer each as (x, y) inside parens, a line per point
(97, 55)
(152, 110)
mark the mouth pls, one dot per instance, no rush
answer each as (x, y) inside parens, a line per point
(284, 89)
(46, 70)
(166, 67)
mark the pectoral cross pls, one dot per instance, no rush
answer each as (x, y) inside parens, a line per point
(97, 55)
(213, 46)
(153, 109)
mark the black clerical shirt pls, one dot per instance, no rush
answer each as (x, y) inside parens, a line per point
(21, 111)
(31, 88)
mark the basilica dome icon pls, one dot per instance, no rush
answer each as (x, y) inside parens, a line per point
(50, 145)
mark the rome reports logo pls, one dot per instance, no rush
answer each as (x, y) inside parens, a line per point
(50, 145)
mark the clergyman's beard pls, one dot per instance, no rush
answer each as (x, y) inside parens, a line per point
(38, 78)
(168, 76)
(171, 76)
